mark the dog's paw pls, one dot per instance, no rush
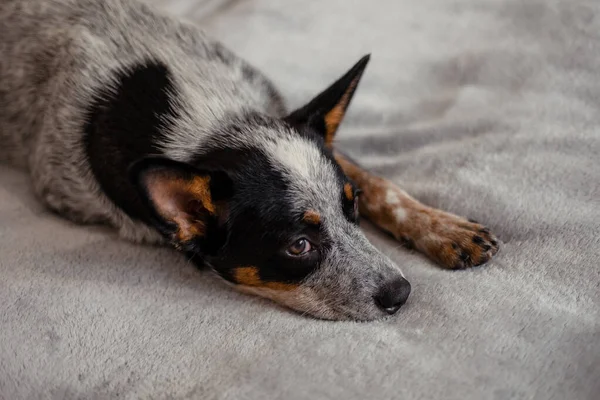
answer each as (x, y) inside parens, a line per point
(456, 243)
(451, 241)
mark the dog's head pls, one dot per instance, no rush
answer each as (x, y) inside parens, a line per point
(267, 207)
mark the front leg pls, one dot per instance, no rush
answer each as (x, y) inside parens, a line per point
(449, 240)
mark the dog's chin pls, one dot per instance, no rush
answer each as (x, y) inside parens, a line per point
(304, 302)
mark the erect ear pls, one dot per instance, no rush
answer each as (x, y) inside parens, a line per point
(184, 202)
(325, 112)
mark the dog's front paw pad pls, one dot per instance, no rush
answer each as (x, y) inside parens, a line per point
(465, 245)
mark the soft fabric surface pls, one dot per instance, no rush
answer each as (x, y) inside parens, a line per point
(489, 109)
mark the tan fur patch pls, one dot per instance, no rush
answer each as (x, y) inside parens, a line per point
(188, 230)
(348, 192)
(312, 217)
(173, 197)
(350, 169)
(248, 276)
(446, 238)
(334, 117)
(200, 187)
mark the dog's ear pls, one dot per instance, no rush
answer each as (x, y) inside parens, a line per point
(325, 112)
(184, 202)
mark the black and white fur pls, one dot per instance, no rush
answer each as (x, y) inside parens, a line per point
(105, 102)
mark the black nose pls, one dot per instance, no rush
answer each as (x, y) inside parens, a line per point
(392, 295)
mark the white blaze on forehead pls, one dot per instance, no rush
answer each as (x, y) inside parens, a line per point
(311, 175)
(299, 157)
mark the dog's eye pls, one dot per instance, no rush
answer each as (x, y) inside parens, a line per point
(299, 248)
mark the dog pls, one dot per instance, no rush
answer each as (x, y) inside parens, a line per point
(127, 117)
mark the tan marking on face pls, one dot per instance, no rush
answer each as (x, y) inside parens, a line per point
(248, 276)
(312, 217)
(334, 117)
(349, 192)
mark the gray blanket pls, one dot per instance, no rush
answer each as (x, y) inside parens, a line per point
(489, 109)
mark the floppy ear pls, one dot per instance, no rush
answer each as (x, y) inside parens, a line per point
(325, 112)
(184, 202)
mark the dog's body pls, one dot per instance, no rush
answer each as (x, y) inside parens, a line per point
(89, 88)
(58, 55)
